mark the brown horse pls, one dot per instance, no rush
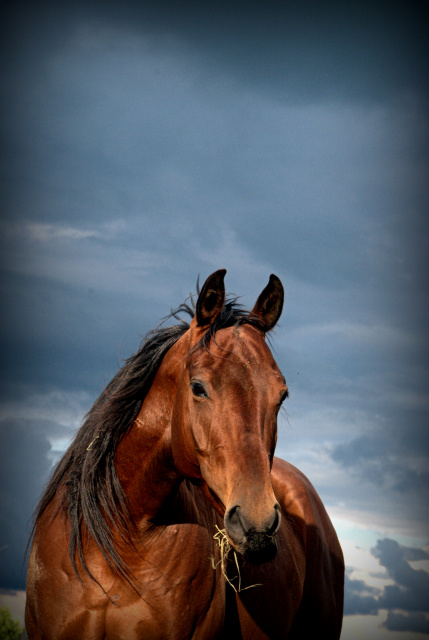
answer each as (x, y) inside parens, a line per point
(168, 516)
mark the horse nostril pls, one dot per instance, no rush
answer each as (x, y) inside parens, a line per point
(274, 526)
(234, 525)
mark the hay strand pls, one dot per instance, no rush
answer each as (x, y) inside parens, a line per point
(225, 548)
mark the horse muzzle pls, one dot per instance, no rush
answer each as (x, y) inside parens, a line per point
(256, 543)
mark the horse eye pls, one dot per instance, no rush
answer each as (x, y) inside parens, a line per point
(198, 390)
(283, 398)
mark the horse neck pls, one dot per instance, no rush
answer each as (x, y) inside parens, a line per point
(144, 459)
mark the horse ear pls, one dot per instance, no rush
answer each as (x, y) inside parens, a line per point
(269, 305)
(211, 299)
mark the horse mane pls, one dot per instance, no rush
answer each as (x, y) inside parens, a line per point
(85, 478)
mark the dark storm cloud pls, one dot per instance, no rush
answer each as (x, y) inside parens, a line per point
(408, 594)
(359, 598)
(410, 591)
(133, 112)
(23, 471)
(354, 51)
(381, 457)
(411, 586)
(114, 146)
(65, 336)
(392, 463)
(415, 622)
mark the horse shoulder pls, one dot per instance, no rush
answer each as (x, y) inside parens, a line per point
(182, 594)
(300, 500)
(306, 518)
(80, 605)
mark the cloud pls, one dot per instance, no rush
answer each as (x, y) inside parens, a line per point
(405, 600)
(33, 435)
(383, 461)
(50, 232)
(411, 586)
(359, 598)
(23, 471)
(415, 622)
(24, 234)
(364, 335)
(309, 53)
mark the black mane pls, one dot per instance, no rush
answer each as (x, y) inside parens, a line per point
(86, 479)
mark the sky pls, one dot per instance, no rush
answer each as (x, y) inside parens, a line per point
(146, 144)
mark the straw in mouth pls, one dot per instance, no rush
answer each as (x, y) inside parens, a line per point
(225, 548)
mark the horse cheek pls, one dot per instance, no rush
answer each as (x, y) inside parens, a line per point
(182, 443)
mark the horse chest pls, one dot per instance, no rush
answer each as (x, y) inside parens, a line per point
(183, 596)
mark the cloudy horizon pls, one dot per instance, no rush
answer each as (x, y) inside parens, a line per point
(144, 145)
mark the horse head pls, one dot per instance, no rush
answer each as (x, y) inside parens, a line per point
(224, 422)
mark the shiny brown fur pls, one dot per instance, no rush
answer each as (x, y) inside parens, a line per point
(199, 455)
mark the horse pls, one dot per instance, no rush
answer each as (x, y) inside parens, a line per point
(169, 515)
